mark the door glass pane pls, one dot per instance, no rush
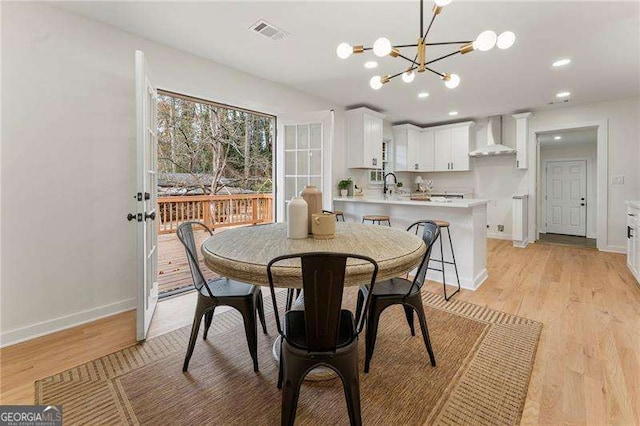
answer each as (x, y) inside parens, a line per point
(303, 163)
(289, 137)
(289, 163)
(289, 188)
(316, 136)
(316, 181)
(302, 182)
(315, 160)
(303, 136)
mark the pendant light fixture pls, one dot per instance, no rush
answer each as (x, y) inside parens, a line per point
(382, 47)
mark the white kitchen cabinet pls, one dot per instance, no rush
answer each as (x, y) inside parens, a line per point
(633, 239)
(451, 147)
(364, 139)
(409, 153)
(426, 154)
(522, 135)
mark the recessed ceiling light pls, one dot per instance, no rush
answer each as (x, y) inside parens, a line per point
(423, 95)
(370, 64)
(557, 138)
(453, 113)
(561, 62)
(562, 94)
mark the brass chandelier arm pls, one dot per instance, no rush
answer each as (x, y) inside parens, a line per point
(441, 43)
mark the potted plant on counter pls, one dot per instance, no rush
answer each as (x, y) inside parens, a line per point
(344, 186)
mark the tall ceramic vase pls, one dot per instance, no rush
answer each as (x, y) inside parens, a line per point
(297, 219)
(313, 197)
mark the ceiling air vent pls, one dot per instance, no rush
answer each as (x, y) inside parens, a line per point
(268, 30)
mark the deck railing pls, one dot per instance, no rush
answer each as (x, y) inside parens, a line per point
(216, 211)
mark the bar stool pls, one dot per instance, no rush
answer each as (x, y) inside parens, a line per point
(373, 218)
(444, 224)
(339, 214)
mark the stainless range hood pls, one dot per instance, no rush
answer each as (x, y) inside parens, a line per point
(494, 139)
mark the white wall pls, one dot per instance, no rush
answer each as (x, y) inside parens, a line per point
(586, 151)
(68, 159)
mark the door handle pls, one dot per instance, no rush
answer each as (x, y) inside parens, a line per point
(629, 235)
(133, 216)
(151, 216)
(582, 204)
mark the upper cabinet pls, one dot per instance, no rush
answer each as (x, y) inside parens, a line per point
(522, 134)
(364, 139)
(432, 149)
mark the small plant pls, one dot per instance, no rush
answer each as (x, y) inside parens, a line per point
(345, 183)
(399, 185)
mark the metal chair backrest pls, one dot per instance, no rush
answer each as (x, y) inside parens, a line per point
(186, 237)
(430, 233)
(323, 276)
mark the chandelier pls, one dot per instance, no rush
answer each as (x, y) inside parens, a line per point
(382, 47)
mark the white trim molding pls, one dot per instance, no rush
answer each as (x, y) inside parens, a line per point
(43, 328)
(602, 186)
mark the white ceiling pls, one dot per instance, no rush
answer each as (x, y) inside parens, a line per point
(569, 137)
(601, 38)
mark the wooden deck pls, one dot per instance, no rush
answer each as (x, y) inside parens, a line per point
(173, 268)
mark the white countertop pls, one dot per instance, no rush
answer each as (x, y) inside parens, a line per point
(464, 203)
(635, 204)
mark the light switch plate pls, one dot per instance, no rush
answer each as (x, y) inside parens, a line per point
(617, 180)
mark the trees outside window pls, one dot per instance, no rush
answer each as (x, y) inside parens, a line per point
(204, 148)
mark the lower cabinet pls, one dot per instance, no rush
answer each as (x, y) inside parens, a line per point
(633, 241)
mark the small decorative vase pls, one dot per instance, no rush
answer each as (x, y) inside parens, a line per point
(297, 222)
(313, 197)
(344, 192)
(323, 226)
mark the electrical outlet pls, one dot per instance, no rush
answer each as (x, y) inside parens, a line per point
(617, 180)
(500, 228)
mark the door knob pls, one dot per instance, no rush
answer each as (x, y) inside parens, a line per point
(582, 198)
(582, 204)
(151, 216)
(133, 216)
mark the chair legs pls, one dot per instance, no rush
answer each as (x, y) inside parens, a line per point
(411, 304)
(445, 262)
(296, 367)
(248, 307)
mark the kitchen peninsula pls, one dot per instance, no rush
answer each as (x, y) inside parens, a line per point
(468, 226)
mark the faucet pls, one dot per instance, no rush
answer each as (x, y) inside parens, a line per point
(384, 180)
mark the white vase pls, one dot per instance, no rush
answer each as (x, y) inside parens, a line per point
(297, 222)
(344, 192)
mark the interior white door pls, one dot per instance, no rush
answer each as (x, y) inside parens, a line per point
(147, 185)
(566, 197)
(303, 153)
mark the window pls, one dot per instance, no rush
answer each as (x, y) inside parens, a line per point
(303, 157)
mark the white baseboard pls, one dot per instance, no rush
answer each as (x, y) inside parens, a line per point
(32, 331)
(521, 244)
(499, 236)
(615, 249)
(464, 283)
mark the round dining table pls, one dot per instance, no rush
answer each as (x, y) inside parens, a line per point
(243, 253)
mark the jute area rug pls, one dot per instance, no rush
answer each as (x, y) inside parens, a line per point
(484, 362)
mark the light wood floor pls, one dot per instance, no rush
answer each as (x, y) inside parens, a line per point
(587, 368)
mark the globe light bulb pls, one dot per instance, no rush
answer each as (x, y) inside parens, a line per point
(506, 40)
(375, 82)
(408, 76)
(442, 2)
(344, 50)
(485, 41)
(453, 81)
(382, 47)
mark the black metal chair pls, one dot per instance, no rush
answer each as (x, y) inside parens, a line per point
(323, 334)
(245, 298)
(399, 291)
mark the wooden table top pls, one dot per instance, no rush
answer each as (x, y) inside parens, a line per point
(243, 253)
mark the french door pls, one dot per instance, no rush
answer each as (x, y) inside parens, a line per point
(303, 156)
(566, 190)
(146, 197)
